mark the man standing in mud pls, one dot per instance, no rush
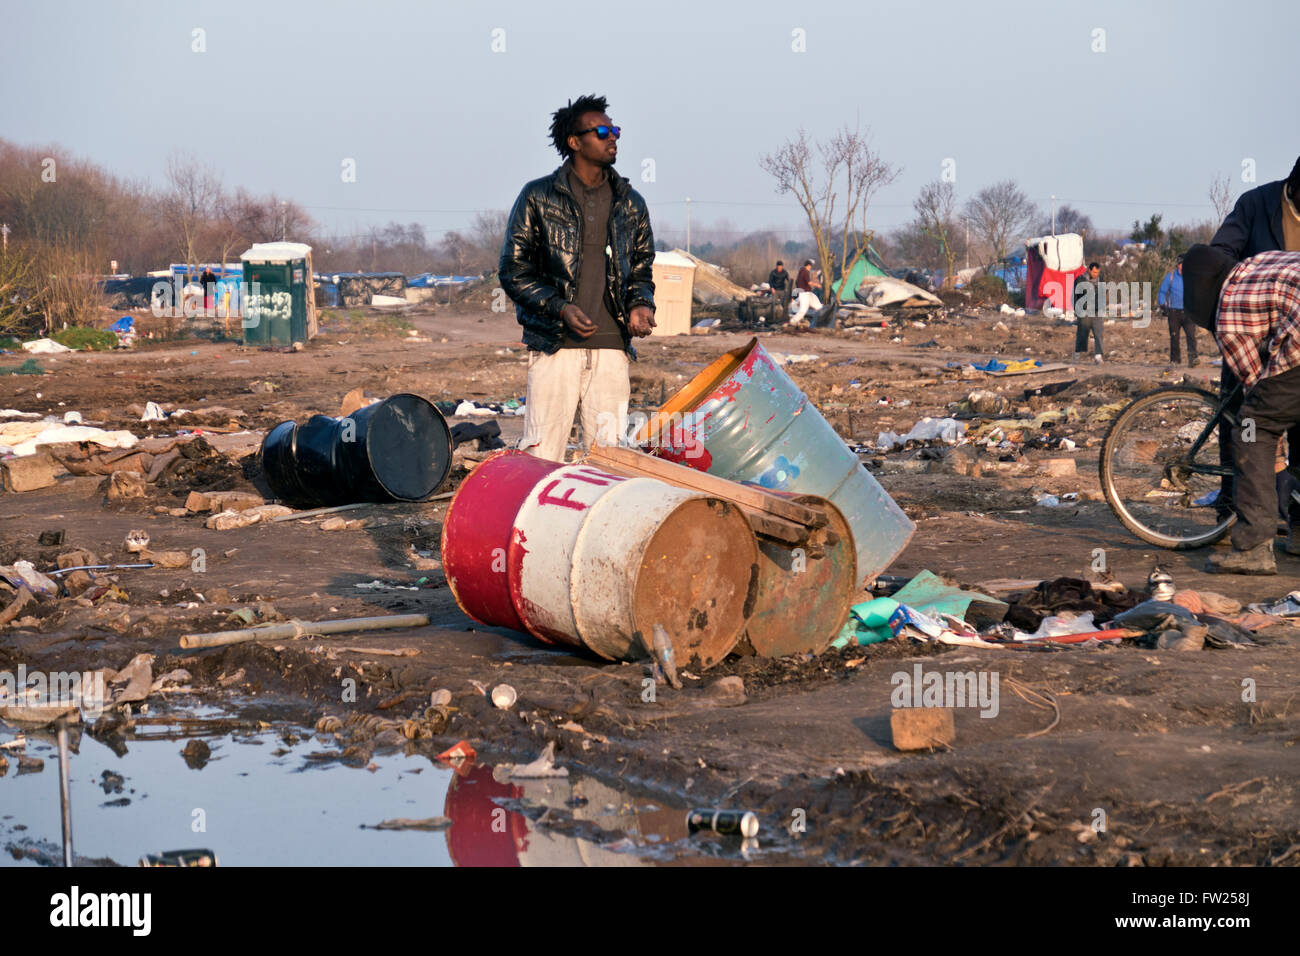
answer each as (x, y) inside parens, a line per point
(578, 262)
(1264, 219)
(1089, 313)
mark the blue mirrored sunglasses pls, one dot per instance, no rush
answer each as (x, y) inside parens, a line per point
(602, 132)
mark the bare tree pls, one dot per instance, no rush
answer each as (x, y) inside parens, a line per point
(190, 203)
(1221, 196)
(834, 189)
(1068, 219)
(934, 215)
(999, 214)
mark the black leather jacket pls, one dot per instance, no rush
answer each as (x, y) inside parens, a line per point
(542, 255)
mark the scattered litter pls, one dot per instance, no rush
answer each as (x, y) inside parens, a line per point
(22, 438)
(541, 768)
(403, 823)
(136, 541)
(1160, 585)
(458, 752)
(24, 574)
(742, 823)
(44, 347)
(947, 430)
(1288, 606)
(504, 696)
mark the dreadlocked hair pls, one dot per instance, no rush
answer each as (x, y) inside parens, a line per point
(564, 121)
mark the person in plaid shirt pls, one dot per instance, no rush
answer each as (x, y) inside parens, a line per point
(1258, 330)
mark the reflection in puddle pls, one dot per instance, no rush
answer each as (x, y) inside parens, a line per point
(261, 795)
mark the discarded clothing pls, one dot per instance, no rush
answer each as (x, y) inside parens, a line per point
(488, 435)
(993, 365)
(1028, 609)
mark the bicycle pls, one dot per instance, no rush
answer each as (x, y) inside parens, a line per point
(1161, 469)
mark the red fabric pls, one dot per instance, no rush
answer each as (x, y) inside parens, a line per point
(1056, 287)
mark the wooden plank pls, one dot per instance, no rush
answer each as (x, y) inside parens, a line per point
(685, 477)
(778, 529)
(763, 523)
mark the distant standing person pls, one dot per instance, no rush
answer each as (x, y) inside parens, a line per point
(1170, 298)
(578, 262)
(1089, 312)
(779, 282)
(209, 282)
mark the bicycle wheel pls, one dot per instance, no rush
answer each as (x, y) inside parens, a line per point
(1160, 469)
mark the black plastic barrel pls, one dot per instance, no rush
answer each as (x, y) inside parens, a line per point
(395, 450)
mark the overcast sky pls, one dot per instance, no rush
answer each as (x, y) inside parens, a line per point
(1119, 108)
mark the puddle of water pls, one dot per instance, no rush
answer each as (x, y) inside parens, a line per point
(261, 801)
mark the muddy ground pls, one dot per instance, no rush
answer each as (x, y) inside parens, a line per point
(1162, 743)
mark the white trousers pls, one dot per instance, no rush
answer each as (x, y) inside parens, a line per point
(807, 300)
(594, 381)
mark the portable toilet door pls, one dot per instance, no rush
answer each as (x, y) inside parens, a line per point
(280, 307)
(302, 321)
(269, 307)
(674, 276)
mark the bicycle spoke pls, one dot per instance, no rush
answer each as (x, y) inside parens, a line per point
(1160, 468)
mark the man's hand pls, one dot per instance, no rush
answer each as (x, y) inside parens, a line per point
(641, 321)
(577, 321)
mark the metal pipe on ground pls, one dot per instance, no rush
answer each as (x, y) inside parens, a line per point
(291, 629)
(65, 793)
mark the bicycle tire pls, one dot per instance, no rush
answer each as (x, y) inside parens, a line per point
(1110, 446)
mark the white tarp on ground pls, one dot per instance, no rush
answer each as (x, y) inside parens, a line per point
(22, 438)
(1063, 253)
(43, 346)
(879, 291)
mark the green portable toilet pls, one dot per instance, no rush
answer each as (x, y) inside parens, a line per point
(279, 306)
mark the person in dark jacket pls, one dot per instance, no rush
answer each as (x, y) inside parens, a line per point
(1089, 312)
(578, 262)
(1264, 219)
(1170, 299)
(779, 282)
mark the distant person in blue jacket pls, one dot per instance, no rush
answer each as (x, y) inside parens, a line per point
(1170, 299)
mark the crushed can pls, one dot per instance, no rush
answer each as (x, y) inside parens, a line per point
(180, 858)
(743, 823)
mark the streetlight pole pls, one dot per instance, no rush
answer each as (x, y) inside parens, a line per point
(1053, 214)
(688, 224)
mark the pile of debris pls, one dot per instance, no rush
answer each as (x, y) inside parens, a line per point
(712, 287)
(1065, 611)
